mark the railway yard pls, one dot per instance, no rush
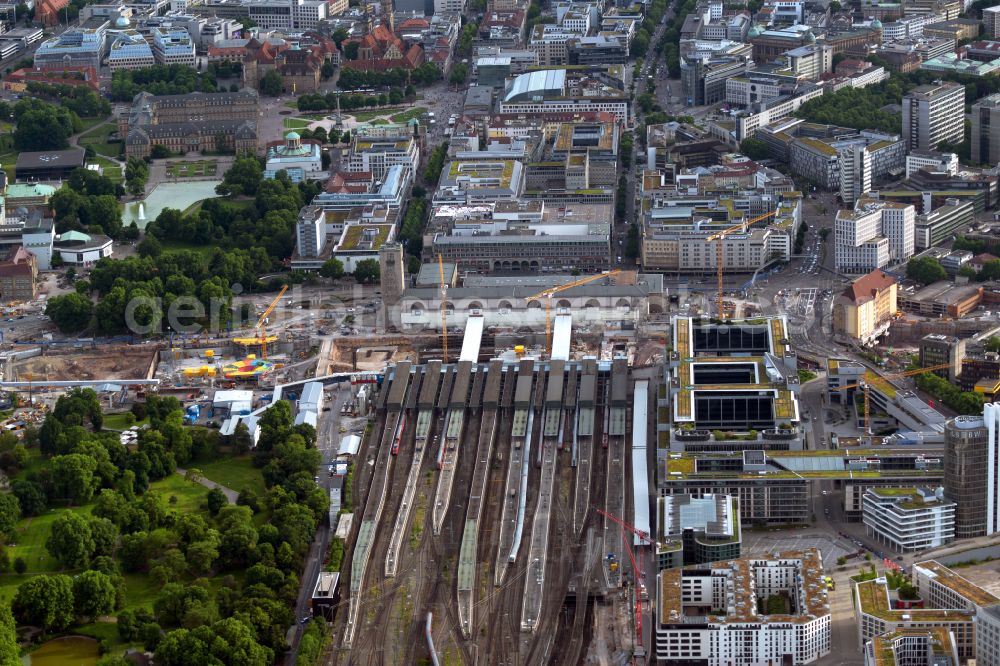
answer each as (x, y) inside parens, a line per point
(476, 526)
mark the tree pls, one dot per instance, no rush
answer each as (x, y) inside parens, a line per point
(73, 477)
(216, 499)
(45, 601)
(367, 271)
(632, 243)
(10, 512)
(42, 126)
(755, 149)
(925, 270)
(271, 84)
(244, 177)
(10, 652)
(459, 74)
(351, 51)
(993, 344)
(93, 594)
(332, 268)
(136, 175)
(71, 312)
(20, 566)
(71, 541)
(30, 496)
(327, 71)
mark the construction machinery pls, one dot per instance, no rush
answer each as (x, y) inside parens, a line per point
(639, 575)
(444, 309)
(262, 338)
(872, 378)
(551, 291)
(719, 238)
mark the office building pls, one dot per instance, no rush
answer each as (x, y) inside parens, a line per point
(985, 138)
(991, 19)
(376, 154)
(17, 275)
(77, 47)
(873, 235)
(285, 15)
(940, 349)
(909, 519)
(931, 160)
(988, 631)
(173, 46)
(970, 471)
(855, 173)
(932, 646)
(865, 309)
(345, 191)
(933, 114)
(697, 530)
(942, 223)
(130, 50)
(573, 91)
(730, 599)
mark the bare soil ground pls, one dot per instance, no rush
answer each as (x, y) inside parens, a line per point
(85, 364)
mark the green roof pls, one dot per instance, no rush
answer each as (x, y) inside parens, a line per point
(75, 236)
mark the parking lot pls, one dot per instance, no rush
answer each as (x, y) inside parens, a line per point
(830, 546)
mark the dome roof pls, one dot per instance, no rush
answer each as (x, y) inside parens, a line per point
(810, 38)
(121, 22)
(292, 136)
(877, 24)
(754, 31)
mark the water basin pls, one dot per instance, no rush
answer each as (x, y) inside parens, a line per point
(167, 195)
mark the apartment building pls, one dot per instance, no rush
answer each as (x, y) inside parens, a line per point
(873, 235)
(865, 309)
(909, 519)
(741, 632)
(991, 19)
(913, 646)
(933, 114)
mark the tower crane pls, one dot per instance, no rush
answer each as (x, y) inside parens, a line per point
(719, 238)
(260, 327)
(551, 291)
(883, 380)
(640, 582)
(444, 310)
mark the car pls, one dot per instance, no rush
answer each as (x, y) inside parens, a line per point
(306, 619)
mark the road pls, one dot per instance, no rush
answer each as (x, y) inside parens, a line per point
(328, 442)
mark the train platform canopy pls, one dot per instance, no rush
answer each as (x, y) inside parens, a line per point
(349, 445)
(562, 332)
(472, 340)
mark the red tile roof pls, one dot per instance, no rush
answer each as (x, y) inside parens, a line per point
(868, 287)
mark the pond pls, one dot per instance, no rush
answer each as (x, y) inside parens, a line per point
(76, 650)
(167, 195)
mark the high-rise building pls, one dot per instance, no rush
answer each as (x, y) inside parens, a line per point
(991, 17)
(970, 471)
(873, 235)
(393, 279)
(855, 173)
(933, 114)
(985, 137)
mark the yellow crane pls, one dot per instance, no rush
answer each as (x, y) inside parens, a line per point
(551, 291)
(719, 238)
(883, 380)
(444, 310)
(262, 338)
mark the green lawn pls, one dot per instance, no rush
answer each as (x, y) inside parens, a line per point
(406, 116)
(365, 116)
(97, 139)
(189, 495)
(7, 162)
(236, 473)
(120, 421)
(297, 123)
(190, 169)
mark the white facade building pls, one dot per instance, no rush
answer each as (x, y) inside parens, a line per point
(742, 635)
(855, 172)
(991, 419)
(873, 235)
(130, 51)
(173, 46)
(935, 161)
(909, 519)
(932, 114)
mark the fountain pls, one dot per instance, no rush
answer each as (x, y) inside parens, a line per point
(142, 212)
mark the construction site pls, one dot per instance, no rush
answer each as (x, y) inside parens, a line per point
(498, 506)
